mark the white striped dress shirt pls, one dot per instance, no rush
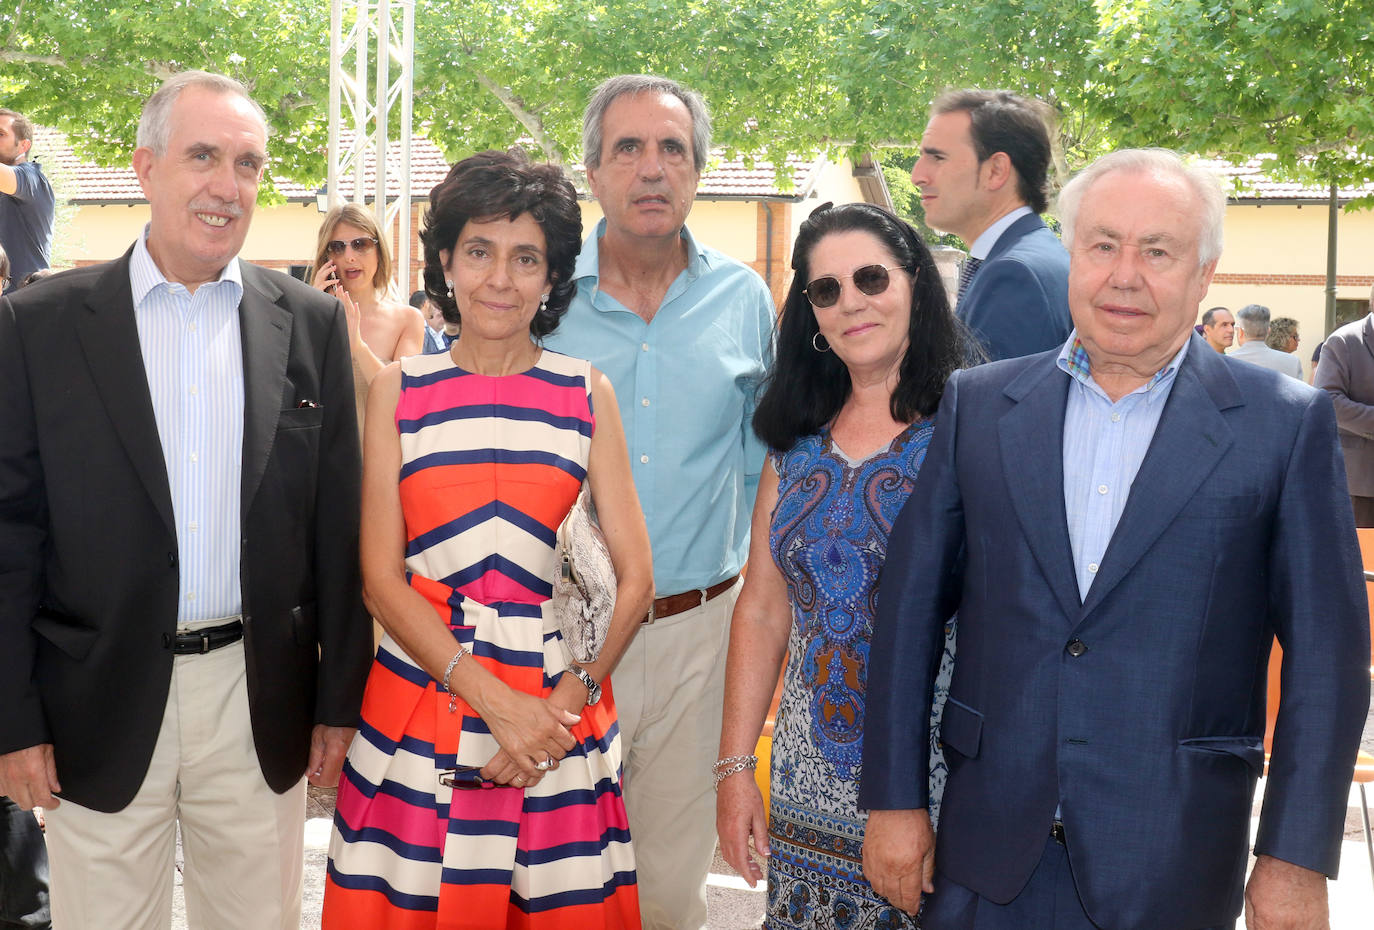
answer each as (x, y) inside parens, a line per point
(193, 358)
(1104, 444)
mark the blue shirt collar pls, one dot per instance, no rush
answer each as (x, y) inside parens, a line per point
(1073, 360)
(144, 274)
(589, 259)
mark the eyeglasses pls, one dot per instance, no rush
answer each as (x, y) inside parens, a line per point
(360, 244)
(870, 279)
(465, 778)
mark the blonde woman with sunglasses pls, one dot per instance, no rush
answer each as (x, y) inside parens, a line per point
(353, 262)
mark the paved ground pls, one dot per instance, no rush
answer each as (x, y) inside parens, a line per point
(733, 906)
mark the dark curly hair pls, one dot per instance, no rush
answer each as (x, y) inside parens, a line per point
(806, 389)
(505, 185)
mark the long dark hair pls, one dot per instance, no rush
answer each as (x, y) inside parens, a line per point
(503, 185)
(806, 389)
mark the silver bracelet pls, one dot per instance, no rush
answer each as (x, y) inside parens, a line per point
(448, 673)
(732, 765)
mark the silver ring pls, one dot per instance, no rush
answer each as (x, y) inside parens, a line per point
(543, 766)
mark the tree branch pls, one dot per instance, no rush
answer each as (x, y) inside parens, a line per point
(27, 58)
(524, 115)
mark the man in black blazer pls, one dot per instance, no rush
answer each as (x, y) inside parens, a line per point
(983, 174)
(182, 635)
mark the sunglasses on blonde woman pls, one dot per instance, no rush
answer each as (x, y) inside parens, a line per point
(870, 279)
(360, 244)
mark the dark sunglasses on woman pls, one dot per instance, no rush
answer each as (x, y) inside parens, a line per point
(870, 279)
(360, 244)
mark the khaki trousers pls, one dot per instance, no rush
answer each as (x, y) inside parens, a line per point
(669, 690)
(242, 843)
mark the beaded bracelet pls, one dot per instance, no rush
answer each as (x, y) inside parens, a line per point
(732, 765)
(448, 673)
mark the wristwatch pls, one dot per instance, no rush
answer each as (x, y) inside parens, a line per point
(593, 689)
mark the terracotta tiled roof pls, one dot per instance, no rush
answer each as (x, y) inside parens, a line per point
(1253, 184)
(727, 180)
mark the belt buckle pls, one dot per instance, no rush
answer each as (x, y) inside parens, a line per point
(204, 641)
(1057, 832)
(649, 616)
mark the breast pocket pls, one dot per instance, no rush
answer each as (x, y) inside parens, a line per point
(300, 418)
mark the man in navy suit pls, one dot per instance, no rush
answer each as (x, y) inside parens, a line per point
(983, 170)
(1085, 512)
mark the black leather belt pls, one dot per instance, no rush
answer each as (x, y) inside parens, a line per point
(671, 604)
(199, 642)
(1057, 831)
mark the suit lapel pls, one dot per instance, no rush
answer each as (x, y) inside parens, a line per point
(1031, 434)
(265, 329)
(1189, 442)
(114, 356)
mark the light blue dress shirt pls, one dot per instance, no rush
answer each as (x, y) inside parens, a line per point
(193, 357)
(686, 383)
(1104, 444)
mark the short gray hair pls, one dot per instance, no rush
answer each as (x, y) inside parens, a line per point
(633, 84)
(1160, 162)
(1253, 319)
(154, 126)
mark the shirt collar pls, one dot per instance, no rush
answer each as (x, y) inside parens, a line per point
(144, 275)
(589, 259)
(984, 243)
(1073, 360)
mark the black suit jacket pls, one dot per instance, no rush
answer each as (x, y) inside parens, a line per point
(88, 549)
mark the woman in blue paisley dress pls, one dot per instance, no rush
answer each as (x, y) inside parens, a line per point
(865, 345)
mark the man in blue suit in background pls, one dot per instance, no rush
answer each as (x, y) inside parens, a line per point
(1086, 513)
(983, 175)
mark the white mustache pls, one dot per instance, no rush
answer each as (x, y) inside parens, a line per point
(218, 206)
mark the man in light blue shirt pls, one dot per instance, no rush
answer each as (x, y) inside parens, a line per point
(683, 332)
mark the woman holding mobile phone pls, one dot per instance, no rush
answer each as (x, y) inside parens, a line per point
(353, 262)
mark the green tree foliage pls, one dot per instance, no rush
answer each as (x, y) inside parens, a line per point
(1286, 77)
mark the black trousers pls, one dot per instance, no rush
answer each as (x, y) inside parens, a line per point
(23, 870)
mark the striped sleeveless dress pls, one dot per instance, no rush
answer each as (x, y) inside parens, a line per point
(490, 466)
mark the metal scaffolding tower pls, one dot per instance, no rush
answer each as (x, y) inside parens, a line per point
(364, 40)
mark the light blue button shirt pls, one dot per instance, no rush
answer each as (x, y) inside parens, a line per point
(1104, 444)
(686, 383)
(193, 357)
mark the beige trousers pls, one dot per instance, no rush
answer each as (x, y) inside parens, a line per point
(242, 843)
(669, 690)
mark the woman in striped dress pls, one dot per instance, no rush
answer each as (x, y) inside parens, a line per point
(483, 788)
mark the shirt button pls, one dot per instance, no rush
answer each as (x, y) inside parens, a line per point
(195, 457)
(1092, 568)
(1076, 647)
(1116, 418)
(194, 389)
(644, 402)
(191, 596)
(193, 526)
(644, 347)
(191, 328)
(644, 459)
(1101, 489)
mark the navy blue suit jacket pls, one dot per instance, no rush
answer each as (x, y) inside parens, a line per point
(1150, 736)
(1018, 302)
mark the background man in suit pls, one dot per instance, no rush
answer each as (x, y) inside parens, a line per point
(1086, 512)
(1346, 372)
(683, 332)
(1219, 328)
(182, 635)
(1252, 326)
(983, 175)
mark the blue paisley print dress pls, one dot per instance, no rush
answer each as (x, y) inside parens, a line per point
(829, 537)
